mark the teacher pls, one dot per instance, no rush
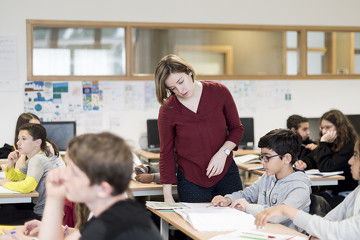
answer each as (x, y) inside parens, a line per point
(199, 127)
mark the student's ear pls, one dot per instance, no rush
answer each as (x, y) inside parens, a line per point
(105, 190)
(293, 129)
(287, 158)
(38, 142)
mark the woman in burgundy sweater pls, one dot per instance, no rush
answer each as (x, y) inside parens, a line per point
(199, 126)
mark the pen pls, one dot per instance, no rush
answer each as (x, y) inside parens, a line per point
(259, 235)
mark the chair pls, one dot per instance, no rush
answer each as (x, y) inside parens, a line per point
(319, 205)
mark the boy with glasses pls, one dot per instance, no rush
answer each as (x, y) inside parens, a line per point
(279, 185)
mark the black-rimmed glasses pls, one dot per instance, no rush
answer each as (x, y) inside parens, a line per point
(266, 159)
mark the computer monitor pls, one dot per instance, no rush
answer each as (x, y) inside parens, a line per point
(153, 135)
(247, 142)
(355, 120)
(60, 132)
(314, 124)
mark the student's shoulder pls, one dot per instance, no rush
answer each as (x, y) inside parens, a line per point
(297, 179)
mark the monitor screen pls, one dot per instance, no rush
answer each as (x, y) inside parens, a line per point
(247, 142)
(355, 120)
(314, 124)
(60, 132)
(153, 134)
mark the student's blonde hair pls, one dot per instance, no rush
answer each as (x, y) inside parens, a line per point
(168, 65)
(103, 157)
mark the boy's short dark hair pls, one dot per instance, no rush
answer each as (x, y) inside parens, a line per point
(282, 141)
(294, 121)
(103, 157)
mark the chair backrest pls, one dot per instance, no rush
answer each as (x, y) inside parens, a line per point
(319, 205)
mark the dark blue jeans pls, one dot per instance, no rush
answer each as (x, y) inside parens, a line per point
(190, 192)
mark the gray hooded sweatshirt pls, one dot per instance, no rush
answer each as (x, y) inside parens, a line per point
(293, 190)
(343, 222)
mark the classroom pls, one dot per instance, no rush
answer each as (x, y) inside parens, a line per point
(307, 97)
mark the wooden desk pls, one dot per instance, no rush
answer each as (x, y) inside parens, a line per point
(17, 197)
(148, 189)
(176, 220)
(6, 198)
(315, 181)
(151, 155)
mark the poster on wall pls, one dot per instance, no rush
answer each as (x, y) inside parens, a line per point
(8, 64)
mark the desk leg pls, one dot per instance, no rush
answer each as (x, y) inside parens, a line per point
(164, 229)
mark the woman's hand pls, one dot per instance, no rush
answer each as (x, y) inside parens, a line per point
(216, 164)
(329, 137)
(300, 164)
(240, 204)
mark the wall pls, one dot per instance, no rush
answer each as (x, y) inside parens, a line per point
(309, 98)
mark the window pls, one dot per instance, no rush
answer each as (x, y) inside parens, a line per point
(73, 50)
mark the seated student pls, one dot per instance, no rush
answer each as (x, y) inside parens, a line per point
(336, 146)
(98, 171)
(30, 176)
(343, 222)
(280, 184)
(300, 125)
(147, 174)
(56, 159)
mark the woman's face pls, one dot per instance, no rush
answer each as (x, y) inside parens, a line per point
(326, 126)
(355, 163)
(181, 84)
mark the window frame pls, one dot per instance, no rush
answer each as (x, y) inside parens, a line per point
(128, 26)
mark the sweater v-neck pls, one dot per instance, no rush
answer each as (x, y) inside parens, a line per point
(186, 109)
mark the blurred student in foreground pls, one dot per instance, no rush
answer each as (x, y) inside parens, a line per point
(98, 171)
(343, 222)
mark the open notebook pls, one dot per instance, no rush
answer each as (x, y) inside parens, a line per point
(204, 217)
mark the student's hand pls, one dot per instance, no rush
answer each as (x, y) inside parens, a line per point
(220, 201)
(277, 211)
(4, 181)
(329, 137)
(300, 164)
(55, 183)
(12, 158)
(240, 204)
(144, 178)
(32, 228)
(263, 217)
(141, 169)
(216, 164)
(311, 146)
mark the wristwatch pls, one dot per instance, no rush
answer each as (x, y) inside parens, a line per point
(226, 151)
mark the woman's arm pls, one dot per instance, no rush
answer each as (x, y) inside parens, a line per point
(167, 189)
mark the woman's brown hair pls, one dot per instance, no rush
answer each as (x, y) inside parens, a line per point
(167, 65)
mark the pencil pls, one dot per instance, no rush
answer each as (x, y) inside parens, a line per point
(14, 147)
